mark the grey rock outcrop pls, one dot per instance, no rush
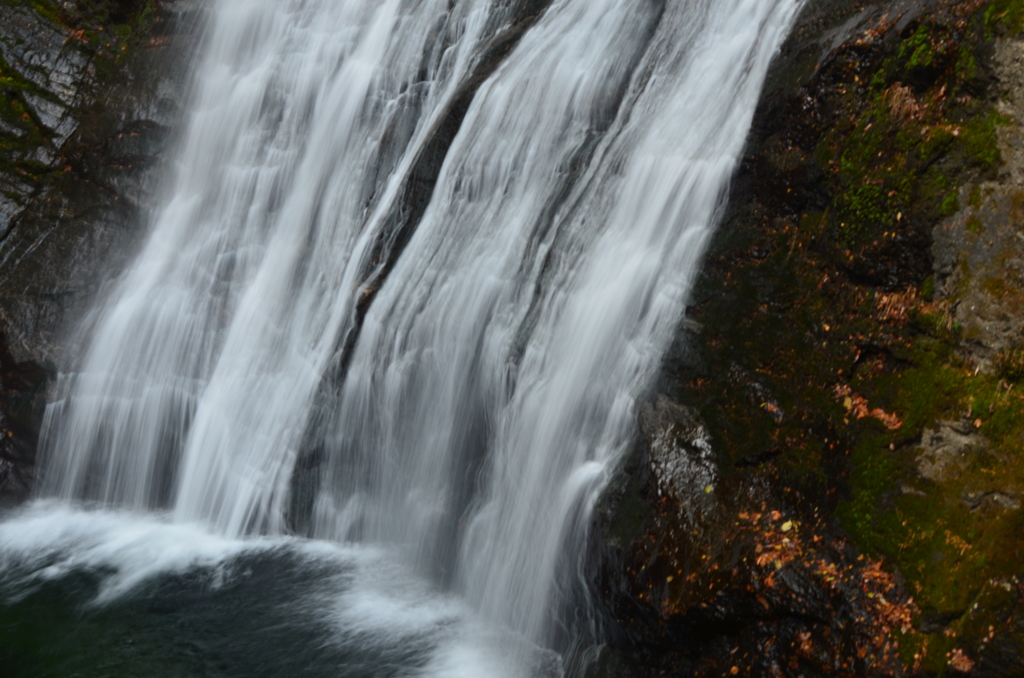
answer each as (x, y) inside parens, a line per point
(78, 179)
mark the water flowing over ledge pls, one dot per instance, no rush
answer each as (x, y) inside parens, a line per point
(451, 335)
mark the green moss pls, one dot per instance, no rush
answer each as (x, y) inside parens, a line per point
(23, 136)
(1005, 16)
(979, 140)
(974, 198)
(860, 514)
(897, 156)
(873, 187)
(1009, 364)
(928, 288)
(947, 550)
(861, 366)
(966, 65)
(903, 153)
(950, 204)
(918, 49)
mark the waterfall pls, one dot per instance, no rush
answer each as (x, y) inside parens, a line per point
(430, 251)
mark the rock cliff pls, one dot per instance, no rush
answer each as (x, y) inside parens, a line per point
(829, 480)
(90, 95)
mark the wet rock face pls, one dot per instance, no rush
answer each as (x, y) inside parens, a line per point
(21, 406)
(92, 92)
(848, 375)
(979, 251)
(713, 589)
(51, 78)
(947, 449)
(679, 452)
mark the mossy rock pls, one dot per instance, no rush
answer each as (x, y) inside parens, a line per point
(836, 367)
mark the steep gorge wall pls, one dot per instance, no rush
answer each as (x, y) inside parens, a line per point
(91, 93)
(830, 476)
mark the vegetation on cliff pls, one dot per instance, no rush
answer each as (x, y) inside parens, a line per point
(865, 517)
(843, 495)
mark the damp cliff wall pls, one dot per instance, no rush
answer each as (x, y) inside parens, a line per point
(92, 91)
(829, 478)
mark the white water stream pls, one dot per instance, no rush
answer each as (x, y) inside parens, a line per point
(470, 421)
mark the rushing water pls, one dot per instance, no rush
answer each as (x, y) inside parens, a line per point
(419, 261)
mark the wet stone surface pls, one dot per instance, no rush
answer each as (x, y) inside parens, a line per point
(851, 359)
(94, 92)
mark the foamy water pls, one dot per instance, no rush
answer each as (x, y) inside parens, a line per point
(458, 392)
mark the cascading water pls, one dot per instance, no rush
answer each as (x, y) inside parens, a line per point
(431, 249)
